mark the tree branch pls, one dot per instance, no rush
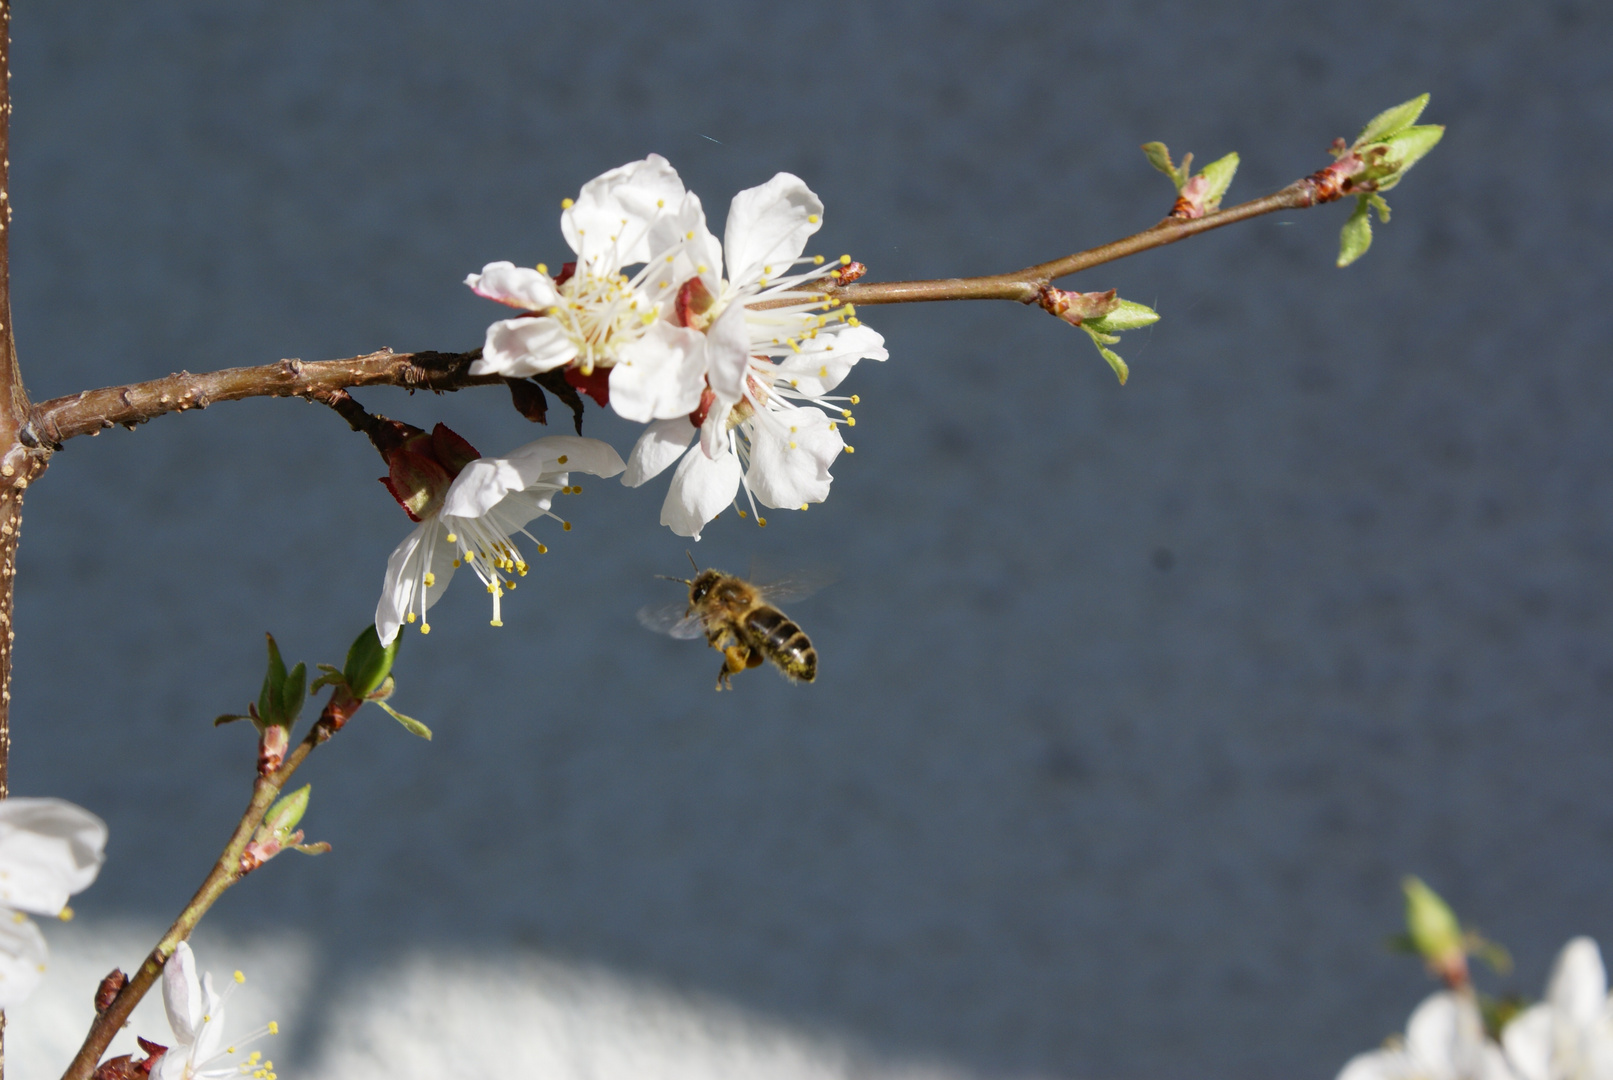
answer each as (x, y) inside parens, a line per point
(55, 421)
(225, 873)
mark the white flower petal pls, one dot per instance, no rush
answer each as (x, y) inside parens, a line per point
(828, 359)
(714, 430)
(484, 482)
(212, 1029)
(49, 849)
(404, 572)
(1379, 1065)
(661, 375)
(1528, 1042)
(768, 227)
(517, 286)
(182, 994)
(22, 958)
(696, 256)
(1578, 984)
(728, 355)
(661, 444)
(609, 224)
(700, 489)
(791, 451)
(519, 347)
(1434, 1034)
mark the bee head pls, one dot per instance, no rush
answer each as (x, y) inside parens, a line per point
(703, 584)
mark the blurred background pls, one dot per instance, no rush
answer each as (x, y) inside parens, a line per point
(1135, 703)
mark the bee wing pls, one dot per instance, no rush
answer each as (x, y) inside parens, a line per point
(797, 585)
(671, 619)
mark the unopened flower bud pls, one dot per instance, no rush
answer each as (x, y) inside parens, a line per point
(1434, 932)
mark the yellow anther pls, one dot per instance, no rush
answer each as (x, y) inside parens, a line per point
(701, 269)
(851, 449)
(823, 372)
(566, 525)
(845, 260)
(741, 514)
(846, 413)
(18, 917)
(854, 322)
(430, 579)
(668, 259)
(793, 429)
(495, 622)
(576, 489)
(659, 203)
(567, 204)
(66, 914)
(794, 382)
(817, 260)
(561, 459)
(409, 618)
(239, 978)
(452, 538)
(766, 270)
(855, 400)
(470, 555)
(542, 550)
(803, 506)
(456, 564)
(257, 1055)
(761, 521)
(792, 445)
(851, 421)
(489, 586)
(543, 268)
(647, 318)
(812, 218)
(425, 628)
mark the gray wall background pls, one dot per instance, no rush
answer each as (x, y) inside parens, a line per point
(1136, 703)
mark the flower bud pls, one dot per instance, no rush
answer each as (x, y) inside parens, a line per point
(1434, 932)
(368, 662)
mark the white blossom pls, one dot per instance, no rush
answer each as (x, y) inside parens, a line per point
(49, 849)
(593, 315)
(196, 1017)
(1569, 1035)
(477, 522)
(761, 420)
(1445, 1040)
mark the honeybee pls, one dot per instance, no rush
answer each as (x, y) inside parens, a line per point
(739, 620)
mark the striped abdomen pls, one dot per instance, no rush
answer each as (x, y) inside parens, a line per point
(774, 636)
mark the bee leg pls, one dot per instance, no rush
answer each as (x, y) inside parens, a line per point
(736, 658)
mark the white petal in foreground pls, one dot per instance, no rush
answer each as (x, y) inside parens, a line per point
(425, 556)
(518, 286)
(661, 375)
(662, 443)
(1578, 984)
(611, 218)
(824, 362)
(768, 227)
(22, 957)
(49, 849)
(483, 483)
(182, 994)
(516, 348)
(790, 454)
(700, 489)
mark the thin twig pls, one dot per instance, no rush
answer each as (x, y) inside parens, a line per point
(225, 873)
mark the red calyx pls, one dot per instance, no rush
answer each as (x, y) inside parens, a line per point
(708, 398)
(694, 300)
(596, 385)
(567, 272)
(420, 470)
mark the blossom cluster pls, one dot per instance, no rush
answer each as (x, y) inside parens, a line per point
(728, 353)
(1567, 1036)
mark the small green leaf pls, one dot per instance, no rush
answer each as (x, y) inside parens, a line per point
(1121, 371)
(410, 724)
(294, 692)
(229, 718)
(1392, 120)
(333, 678)
(271, 696)
(1217, 178)
(1405, 149)
(1356, 236)
(1160, 158)
(1130, 315)
(1375, 201)
(369, 662)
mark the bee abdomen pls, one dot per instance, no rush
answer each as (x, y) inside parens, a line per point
(784, 643)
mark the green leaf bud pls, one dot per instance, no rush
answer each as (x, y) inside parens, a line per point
(270, 697)
(410, 724)
(294, 691)
(1432, 926)
(1218, 176)
(369, 662)
(1128, 315)
(1356, 236)
(284, 815)
(1403, 150)
(1392, 120)
(1160, 158)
